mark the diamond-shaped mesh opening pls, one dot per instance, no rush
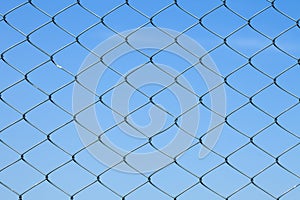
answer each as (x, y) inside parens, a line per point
(25, 57)
(243, 160)
(289, 159)
(55, 8)
(23, 96)
(266, 26)
(39, 157)
(248, 80)
(49, 49)
(273, 67)
(284, 101)
(171, 185)
(21, 177)
(6, 71)
(82, 20)
(198, 8)
(47, 191)
(50, 43)
(12, 38)
(254, 191)
(153, 193)
(8, 156)
(207, 39)
(148, 8)
(276, 181)
(247, 41)
(247, 9)
(289, 122)
(290, 47)
(72, 172)
(288, 7)
(120, 19)
(223, 22)
(28, 136)
(249, 120)
(126, 183)
(97, 190)
(49, 85)
(275, 140)
(7, 6)
(48, 123)
(35, 18)
(11, 116)
(286, 79)
(217, 180)
(170, 15)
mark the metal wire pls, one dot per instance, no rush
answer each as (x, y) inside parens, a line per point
(204, 179)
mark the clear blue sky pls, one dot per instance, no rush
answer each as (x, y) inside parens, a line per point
(248, 46)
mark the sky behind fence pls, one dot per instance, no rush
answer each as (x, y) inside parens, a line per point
(255, 46)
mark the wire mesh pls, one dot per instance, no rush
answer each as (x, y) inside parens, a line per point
(255, 44)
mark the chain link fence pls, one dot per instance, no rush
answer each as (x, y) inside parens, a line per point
(254, 44)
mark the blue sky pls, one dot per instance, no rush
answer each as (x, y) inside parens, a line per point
(254, 44)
